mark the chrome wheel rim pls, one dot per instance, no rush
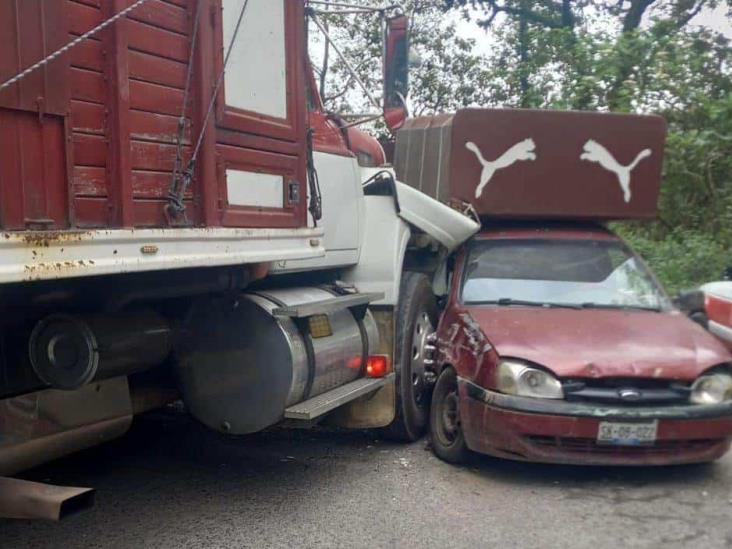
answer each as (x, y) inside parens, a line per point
(420, 356)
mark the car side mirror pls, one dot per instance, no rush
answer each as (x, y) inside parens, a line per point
(690, 301)
(396, 71)
(701, 319)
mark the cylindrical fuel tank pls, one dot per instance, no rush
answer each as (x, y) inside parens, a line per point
(240, 366)
(69, 351)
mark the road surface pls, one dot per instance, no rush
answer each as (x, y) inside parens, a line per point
(171, 483)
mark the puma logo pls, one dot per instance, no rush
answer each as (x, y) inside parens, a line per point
(523, 150)
(594, 152)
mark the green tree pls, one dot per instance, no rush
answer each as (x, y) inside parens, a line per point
(450, 76)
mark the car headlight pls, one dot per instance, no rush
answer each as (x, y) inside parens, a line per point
(711, 389)
(516, 378)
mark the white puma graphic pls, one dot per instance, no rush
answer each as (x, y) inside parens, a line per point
(594, 152)
(523, 150)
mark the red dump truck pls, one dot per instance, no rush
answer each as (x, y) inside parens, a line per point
(556, 343)
(181, 219)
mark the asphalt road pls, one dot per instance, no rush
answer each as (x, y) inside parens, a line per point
(171, 483)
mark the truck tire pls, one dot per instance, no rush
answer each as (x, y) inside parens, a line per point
(448, 440)
(415, 319)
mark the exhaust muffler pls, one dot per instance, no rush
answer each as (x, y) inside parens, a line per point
(69, 351)
(23, 499)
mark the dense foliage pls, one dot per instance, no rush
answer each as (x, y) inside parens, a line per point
(620, 55)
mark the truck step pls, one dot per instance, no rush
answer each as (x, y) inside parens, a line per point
(329, 305)
(322, 404)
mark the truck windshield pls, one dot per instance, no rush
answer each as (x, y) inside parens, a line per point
(559, 273)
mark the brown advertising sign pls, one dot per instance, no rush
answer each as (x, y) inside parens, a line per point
(516, 163)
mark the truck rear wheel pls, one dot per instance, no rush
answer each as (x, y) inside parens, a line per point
(415, 320)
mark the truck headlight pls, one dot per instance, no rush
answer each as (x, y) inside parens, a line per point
(711, 389)
(516, 378)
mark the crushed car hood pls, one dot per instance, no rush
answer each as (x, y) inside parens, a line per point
(602, 343)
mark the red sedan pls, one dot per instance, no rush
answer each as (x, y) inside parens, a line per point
(557, 344)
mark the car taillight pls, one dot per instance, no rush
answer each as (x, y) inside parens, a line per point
(377, 366)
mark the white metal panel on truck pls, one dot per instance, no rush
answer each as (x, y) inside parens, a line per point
(343, 214)
(449, 227)
(256, 75)
(388, 232)
(264, 190)
(382, 252)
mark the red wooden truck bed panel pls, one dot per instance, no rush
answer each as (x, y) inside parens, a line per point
(89, 140)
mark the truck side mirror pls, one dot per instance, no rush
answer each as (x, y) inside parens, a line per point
(396, 71)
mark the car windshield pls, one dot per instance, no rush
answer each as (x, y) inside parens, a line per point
(559, 272)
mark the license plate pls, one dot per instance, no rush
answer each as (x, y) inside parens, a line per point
(627, 434)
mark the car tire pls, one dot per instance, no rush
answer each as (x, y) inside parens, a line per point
(414, 320)
(448, 440)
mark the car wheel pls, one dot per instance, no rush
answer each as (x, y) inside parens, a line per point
(448, 441)
(415, 320)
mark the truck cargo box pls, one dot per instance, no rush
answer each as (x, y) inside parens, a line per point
(516, 163)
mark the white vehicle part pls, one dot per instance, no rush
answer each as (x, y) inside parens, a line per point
(388, 232)
(264, 190)
(720, 330)
(721, 289)
(343, 215)
(382, 251)
(449, 227)
(47, 255)
(256, 75)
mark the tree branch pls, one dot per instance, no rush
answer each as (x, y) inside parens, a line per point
(531, 15)
(688, 14)
(326, 53)
(635, 13)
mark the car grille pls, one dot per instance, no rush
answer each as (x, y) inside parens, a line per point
(588, 445)
(626, 391)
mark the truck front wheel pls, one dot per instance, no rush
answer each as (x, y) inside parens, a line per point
(415, 319)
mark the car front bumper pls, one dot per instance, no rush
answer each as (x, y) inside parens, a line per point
(558, 431)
